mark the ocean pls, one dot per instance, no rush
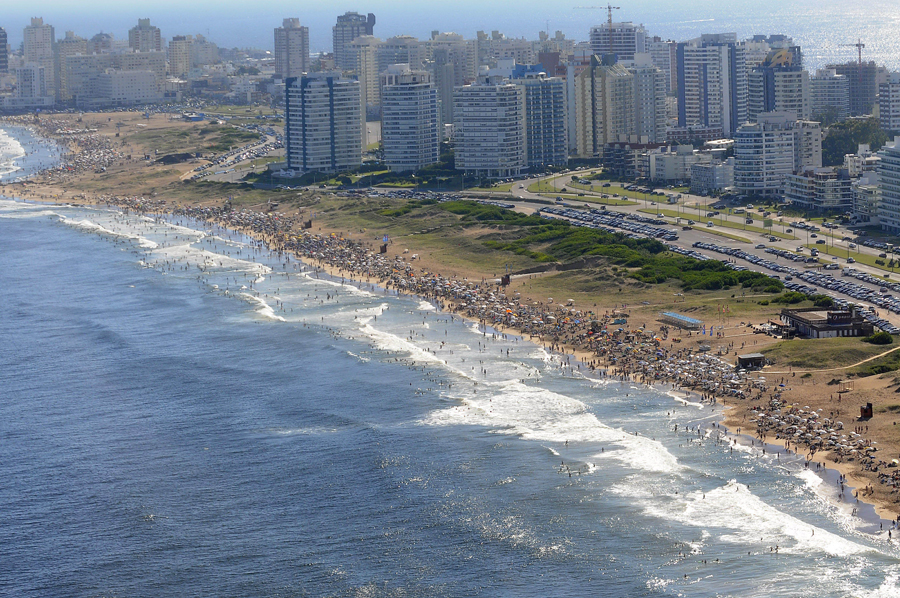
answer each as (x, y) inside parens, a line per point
(185, 413)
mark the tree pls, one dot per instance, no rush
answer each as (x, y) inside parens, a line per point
(844, 138)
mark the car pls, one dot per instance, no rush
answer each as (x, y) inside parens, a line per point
(820, 242)
(882, 255)
(760, 246)
(852, 245)
(749, 220)
(661, 216)
(850, 260)
(814, 235)
(709, 224)
(790, 230)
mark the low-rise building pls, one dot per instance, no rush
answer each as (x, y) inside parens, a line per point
(712, 176)
(673, 164)
(820, 190)
(628, 157)
(814, 322)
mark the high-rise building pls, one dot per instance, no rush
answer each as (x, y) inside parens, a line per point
(144, 37)
(402, 49)
(712, 83)
(38, 50)
(807, 145)
(410, 122)
(4, 52)
(489, 129)
(70, 45)
(649, 100)
(323, 123)
(365, 66)
(779, 84)
(349, 26)
(889, 186)
(291, 49)
(889, 103)
(829, 94)
(180, 56)
(863, 86)
(453, 63)
(775, 146)
(664, 55)
(546, 138)
(203, 52)
(604, 105)
(622, 39)
(764, 154)
(82, 72)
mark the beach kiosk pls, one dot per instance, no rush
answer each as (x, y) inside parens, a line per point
(751, 361)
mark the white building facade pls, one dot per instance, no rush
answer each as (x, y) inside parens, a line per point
(489, 129)
(323, 123)
(410, 122)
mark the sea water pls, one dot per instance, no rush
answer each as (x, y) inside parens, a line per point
(186, 413)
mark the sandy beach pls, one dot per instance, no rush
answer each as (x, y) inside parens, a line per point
(603, 338)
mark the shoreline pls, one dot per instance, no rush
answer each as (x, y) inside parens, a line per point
(281, 240)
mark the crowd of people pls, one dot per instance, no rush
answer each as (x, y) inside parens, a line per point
(807, 432)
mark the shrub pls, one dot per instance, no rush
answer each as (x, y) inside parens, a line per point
(879, 338)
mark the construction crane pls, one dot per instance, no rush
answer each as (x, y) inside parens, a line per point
(859, 46)
(609, 8)
(859, 69)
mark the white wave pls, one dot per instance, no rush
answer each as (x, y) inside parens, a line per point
(194, 255)
(684, 401)
(97, 228)
(811, 479)
(391, 342)
(890, 588)
(265, 309)
(346, 286)
(744, 518)
(425, 306)
(539, 414)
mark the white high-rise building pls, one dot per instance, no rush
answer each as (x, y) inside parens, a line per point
(291, 49)
(764, 154)
(889, 186)
(410, 122)
(365, 67)
(712, 83)
(401, 49)
(829, 92)
(889, 103)
(628, 39)
(664, 55)
(349, 26)
(323, 123)
(649, 100)
(38, 44)
(70, 45)
(179, 54)
(604, 106)
(144, 37)
(489, 129)
(546, 136)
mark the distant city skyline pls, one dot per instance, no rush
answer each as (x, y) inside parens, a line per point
(820, 25)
